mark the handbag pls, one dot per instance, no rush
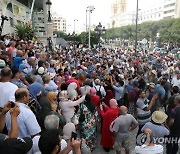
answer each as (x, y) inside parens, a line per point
(82, 116)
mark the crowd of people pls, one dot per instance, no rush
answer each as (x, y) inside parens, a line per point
(60, 100)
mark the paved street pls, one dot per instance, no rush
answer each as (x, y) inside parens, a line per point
(100, 150)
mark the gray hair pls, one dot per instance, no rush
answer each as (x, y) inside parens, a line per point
(51, 122)
(177, 99)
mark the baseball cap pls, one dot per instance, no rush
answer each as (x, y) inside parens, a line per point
(16, 145)
(2, 63)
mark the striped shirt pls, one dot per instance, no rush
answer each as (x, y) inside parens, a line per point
(142, 116)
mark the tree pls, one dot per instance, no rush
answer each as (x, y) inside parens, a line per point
(169, 30)
(60, 34)
(24, 31)
(84, 37)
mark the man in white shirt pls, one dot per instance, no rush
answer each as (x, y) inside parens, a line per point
(7, 89)
(27, 123)
(176, 80)
(149, 147)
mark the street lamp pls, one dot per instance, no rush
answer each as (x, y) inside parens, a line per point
(136, 25)
(100, 30)
(48, 3)
(49, 24)
(158, 39)
(90, 9)
(75, 26)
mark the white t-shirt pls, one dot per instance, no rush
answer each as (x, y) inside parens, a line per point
(7, 91)
(144, 149)
(175, 82)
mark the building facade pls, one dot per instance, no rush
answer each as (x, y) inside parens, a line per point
(17, 13)
(38, 23)
(59, 23)
(151, 14)
(123, 14)
(171, 9)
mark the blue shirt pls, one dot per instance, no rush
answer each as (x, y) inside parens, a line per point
(118, 92)
(160, 91)
(129, 88)
(17, 61)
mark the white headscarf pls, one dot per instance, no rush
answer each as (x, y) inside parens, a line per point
(72, 91)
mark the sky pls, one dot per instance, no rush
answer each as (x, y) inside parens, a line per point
(76, 9)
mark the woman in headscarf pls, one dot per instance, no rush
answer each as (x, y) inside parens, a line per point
(67, 133)
(108, 97)
(35, 90)
(72, 91)
(52, 96)
(108, 115)
(67, 106)
(88, 126)
(94, 98)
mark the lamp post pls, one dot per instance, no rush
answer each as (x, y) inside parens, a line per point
(49, 26)
(100, 30)
(158, 39)
(90, 9)
(75, 26)
(86, 18)
(48, 3)
(68, 28)
(136, 25)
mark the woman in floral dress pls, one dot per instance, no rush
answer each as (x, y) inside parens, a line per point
(88, 126)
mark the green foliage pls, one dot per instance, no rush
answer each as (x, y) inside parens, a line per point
(60, 34)
(84, 37)
(23, 31)
(169, 30)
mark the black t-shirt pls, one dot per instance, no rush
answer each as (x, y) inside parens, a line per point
(175, 128)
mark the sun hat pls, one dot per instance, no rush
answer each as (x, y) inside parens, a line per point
(52, 75)
(41, 70)
(159, 117)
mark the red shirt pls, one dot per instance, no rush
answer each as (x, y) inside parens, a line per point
(71, 80)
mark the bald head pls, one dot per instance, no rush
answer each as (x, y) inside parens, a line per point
(19, 53)
(147, 131)
(22, 95)
(150, 135)
(6, 74)
(123, 110)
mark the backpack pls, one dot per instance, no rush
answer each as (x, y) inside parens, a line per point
(98, 92)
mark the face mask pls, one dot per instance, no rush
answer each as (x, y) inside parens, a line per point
(25, 71)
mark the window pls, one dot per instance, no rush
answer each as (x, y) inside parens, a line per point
(169, 5)
(170, 11)
(11, 22)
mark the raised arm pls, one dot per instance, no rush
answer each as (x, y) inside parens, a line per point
(79, 101)
(14, 124)
(3, 116)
